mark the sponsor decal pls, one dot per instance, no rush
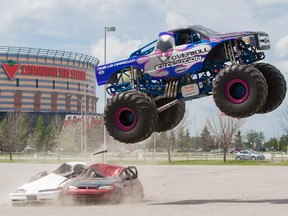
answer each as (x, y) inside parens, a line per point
(11, 68)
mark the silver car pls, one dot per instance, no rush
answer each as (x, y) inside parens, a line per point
(249, 155)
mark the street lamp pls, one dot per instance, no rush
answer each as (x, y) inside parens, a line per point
(195, 133)
(85, 127)
(81, 126)
(106, 29)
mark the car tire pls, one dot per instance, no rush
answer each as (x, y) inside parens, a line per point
(253, 158)
(240, 90)
(276, 86)
(171, 117)
(130, 117)
(118, 197)
(238, 158)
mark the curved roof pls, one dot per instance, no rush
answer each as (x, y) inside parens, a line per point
(48, 54)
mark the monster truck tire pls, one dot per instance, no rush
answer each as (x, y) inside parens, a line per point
(276, 86)
(171, 117)
(240, 90)
(130, 117)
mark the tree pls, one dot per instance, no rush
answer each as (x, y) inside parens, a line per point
(207, 140)
(223, 128)
(53, 133)
(13, 135)
(238, 141)
(255, 139)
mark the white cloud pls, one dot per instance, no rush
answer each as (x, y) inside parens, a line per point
(174, 20)
(267, 2)
(116, 49)
(281, 47)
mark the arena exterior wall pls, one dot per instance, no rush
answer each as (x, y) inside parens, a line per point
(47, 82)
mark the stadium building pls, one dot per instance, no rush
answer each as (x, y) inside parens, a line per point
(47, 82)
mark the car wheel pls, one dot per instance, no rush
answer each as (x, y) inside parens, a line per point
(253, 158)
(238, 158)
(240, 90)
(118, 197)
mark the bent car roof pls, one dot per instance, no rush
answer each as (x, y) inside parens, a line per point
(107, 169)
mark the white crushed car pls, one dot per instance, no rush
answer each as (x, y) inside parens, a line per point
(44, 187)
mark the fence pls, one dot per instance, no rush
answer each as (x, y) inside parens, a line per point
(274, 157)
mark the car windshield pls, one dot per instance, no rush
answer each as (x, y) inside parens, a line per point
(91, 173)
(205, 31)
(64, 168)
(254, 152)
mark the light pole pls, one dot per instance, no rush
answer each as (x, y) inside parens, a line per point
(81, 126)
(195, 133)
(85, 121)
(106, 29)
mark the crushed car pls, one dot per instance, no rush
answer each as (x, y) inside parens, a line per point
(106, 182)
(45, 187)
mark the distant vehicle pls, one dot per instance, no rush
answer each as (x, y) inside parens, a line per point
(106, 182)
(44, 187)
(249, 155)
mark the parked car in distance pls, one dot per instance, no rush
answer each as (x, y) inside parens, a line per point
(249, 155)
(106, 182)
(45, 187)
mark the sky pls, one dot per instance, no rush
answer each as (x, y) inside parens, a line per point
(78, 26)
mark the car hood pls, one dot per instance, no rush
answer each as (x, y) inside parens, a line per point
(81, 182)
(51, 181)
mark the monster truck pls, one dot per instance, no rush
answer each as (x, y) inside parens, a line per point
(149, 89)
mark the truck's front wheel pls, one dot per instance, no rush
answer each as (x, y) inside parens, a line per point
(240, 90)
(130, 117)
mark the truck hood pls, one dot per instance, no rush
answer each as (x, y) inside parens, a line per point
(238, 34)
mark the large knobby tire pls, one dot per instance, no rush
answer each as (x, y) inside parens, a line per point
(276, 86)
(171, 117)
(240, 90)
(130, 117)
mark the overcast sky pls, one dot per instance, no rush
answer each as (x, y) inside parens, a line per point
(78, 26)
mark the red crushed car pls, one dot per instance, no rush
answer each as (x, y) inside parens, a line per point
(106, 182)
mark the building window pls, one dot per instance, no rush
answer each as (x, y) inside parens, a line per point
(18, 101)
(37, 102)
(54, 102)
(86, 87)
(67, 85)
(17, 82)
(68, 103)
(37, 83)
(78, 86)
(53, 84)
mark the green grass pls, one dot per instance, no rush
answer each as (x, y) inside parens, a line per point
(229, 162)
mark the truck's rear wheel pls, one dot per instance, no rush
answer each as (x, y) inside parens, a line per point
(240, 90)
(130, 117)
(171, 117)
(276, 86)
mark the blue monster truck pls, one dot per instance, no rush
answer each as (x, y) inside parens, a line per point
(149, 89)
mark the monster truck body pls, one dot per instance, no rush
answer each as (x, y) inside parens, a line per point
(185, 64)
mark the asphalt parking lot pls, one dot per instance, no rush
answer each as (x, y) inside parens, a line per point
(172, 190)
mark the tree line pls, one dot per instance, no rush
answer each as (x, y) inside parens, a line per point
(17, 132)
